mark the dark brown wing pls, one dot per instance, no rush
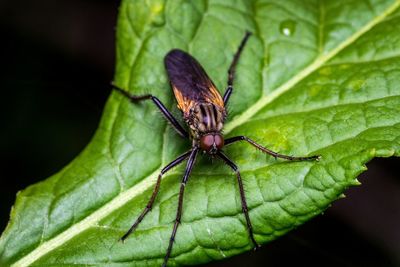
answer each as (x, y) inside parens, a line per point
(189, 81)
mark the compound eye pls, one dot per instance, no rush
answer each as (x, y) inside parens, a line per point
(219, 141)
(206, 142)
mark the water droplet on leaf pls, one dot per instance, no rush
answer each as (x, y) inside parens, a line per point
(287, 27)
(157, 15)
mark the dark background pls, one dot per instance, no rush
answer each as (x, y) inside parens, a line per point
(57, 59)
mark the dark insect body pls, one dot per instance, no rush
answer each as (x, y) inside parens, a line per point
(204, 112)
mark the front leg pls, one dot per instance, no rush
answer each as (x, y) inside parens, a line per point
(232, 68)
(149, 205)
(266, 150)
(245, 209)
(188, 170)
(167, 115)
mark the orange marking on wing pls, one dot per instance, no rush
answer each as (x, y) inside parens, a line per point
(215, 96)
(211, 95)
(184, 103)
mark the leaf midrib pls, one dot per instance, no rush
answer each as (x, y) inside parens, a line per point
(147, 182)
(318, 62)
(320, 109)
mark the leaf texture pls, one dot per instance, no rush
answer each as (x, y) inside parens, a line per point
(317, 77)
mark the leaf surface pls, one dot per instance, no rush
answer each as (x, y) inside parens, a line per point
(317, 77)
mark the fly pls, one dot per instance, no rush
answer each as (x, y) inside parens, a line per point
(204, 112)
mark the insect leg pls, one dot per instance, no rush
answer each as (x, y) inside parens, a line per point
(231, 71)
(155, 192)
(134, 98)
(189, 166)
(266, 150)
(242, 196)
(227, 94)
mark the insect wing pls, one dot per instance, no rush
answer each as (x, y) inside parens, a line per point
(189, 81)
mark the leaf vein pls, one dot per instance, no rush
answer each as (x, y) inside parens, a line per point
(265, 100)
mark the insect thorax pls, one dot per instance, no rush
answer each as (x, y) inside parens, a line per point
(205, 118)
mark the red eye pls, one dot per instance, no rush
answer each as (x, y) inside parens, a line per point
(206, 142)
(219, 141)
(211, 143)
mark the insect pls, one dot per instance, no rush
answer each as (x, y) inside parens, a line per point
(204, 112)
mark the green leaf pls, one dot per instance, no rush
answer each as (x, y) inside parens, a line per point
(317, 77)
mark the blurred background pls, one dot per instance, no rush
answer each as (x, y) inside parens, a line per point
(57, 60)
